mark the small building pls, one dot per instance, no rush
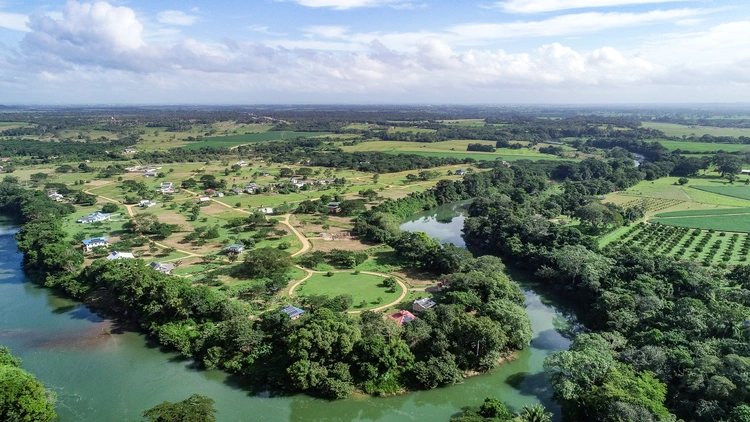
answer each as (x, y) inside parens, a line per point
(5, 159)
(204, 199)
(209, 191)
(242, 164)
(219, 194)
(265, 173)
(334, 207)
(237, 191)
(146, 203)
(95, 242)
(119, 255)
(166, 187)
(293, 180)
(402, 317)
(95, 218)
(162, 267)
(293, 312)
(421, 305)
(150, 174)
(460, 172)
(55, 197)
(266, 210)
(745, 171)
(129, 151)
(251, 188)
(235, 249)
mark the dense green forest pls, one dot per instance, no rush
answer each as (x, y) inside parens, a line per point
(22, 397)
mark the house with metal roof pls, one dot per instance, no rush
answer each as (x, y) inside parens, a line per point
(293, 312)
(235, 248)
(421, 305)
(120, 255)
(162, 267)
(95, 217)
(95, 242)
(402, 317)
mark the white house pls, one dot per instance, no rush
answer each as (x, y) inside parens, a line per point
(146, 203)
(95, 242)
(129, 151)
(95, 218)
(120, 255)
(204, 199)
(267, 210)
(162, 267)
(241, 163)
(55, 197)
(166, 187)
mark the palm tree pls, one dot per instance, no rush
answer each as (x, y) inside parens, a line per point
(535, 413)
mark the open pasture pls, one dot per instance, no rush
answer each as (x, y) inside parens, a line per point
(450, 149)
(701, 146)
(671, 129)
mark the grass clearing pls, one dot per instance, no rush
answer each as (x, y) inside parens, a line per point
(362, 287)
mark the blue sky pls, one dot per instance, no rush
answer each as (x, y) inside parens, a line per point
(374, 51)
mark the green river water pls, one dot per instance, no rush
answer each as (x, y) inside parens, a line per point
(102, 373)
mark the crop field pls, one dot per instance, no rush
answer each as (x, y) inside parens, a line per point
(742, 192)
(667, 188)
(450, 149)
(362, 287)
(701, 146)
(671, 129)
(698, 213)
(248, 138)
(410, 129)
(707, 247)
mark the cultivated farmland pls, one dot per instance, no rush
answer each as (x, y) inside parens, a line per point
(708, 247)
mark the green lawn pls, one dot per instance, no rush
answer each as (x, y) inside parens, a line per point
(362, 287)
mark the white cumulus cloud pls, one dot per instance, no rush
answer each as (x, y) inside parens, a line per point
(15, 21)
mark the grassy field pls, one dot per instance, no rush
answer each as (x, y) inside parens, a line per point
(234, 140)
(452, 149)
(671, 129)
(362, 287)
(742, 192)
(701, 146)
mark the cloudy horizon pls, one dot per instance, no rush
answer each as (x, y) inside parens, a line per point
(374, 51)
